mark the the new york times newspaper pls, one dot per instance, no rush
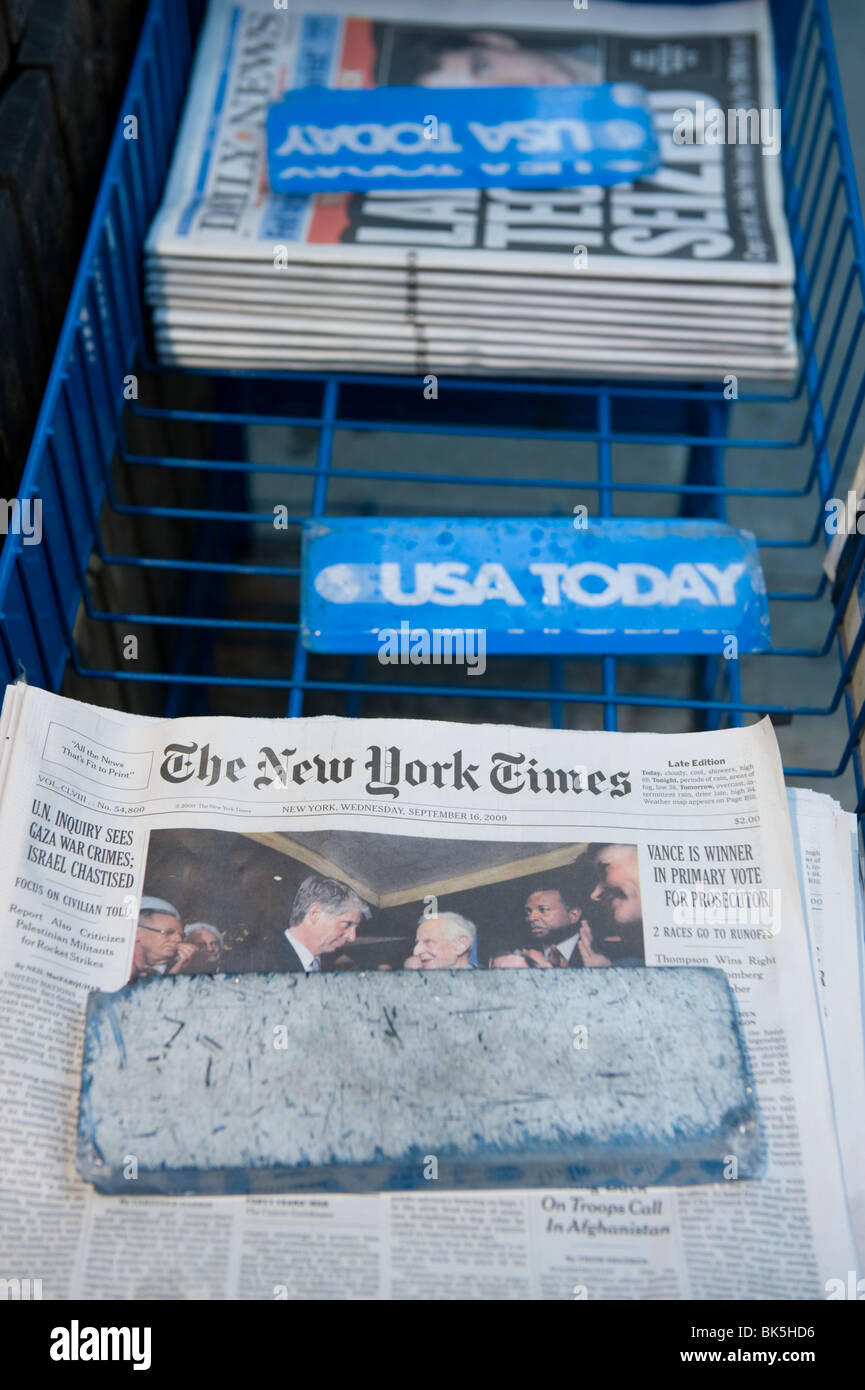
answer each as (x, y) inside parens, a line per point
(134, 848)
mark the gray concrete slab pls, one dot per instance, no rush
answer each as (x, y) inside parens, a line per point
(354, 1082)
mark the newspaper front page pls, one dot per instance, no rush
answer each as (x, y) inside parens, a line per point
(713, 211)
(682, 845)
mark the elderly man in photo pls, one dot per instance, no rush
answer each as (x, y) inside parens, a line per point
(443, 942)
(209, 947)
(324, 917)
(159, 945)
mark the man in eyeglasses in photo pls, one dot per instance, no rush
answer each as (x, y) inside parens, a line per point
(159, 945)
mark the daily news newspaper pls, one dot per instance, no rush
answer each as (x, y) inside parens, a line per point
(714, 211)
(683, 853)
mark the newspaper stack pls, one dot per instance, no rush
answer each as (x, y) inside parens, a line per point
(686, 271)
(153, 848)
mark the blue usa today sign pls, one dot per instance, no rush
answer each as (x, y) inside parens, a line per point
(536, 586)
(322, 140)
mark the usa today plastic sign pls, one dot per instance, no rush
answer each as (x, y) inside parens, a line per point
(323, 140)
(535, 585)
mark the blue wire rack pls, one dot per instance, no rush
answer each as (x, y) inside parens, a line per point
(152, 527)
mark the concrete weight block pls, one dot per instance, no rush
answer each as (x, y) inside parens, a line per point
(354, 1082)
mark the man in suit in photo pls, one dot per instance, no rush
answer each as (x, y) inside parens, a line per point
(555, 917)
(324, 917)
(443, 942)
(159, 945)
(553, 920)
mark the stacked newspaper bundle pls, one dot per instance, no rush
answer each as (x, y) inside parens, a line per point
(684, 271)
(689, 853)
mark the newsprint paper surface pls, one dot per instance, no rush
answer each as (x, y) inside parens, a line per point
(96, 805)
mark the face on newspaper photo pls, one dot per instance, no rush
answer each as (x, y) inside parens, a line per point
(221, 902)
(443, 56)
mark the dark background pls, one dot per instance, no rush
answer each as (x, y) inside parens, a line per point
(63, 68)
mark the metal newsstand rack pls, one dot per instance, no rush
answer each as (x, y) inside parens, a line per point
(153, 525)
